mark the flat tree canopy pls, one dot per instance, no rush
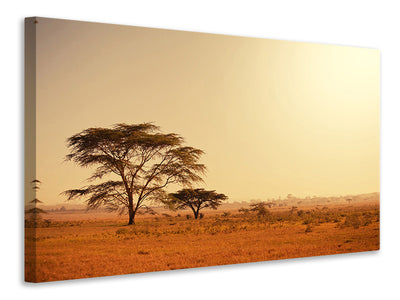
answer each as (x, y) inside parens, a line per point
(143, 159)
(195, 199)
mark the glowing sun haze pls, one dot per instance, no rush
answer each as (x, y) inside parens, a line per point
(273, 117)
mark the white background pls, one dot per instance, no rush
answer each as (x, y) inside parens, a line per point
(364, 23)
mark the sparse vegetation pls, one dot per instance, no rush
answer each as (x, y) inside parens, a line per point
(169, 241)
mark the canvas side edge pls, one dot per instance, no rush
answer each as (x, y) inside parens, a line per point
(30, 145)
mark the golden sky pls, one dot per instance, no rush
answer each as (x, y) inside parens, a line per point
(274, 117)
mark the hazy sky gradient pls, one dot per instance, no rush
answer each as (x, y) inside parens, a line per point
(274, 117)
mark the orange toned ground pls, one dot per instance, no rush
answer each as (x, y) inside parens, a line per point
(80, 245)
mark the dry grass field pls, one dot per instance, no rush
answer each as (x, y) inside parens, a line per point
(81, 245)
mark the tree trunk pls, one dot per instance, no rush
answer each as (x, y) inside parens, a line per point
(131, 211)
(131, 217)
(196, 213)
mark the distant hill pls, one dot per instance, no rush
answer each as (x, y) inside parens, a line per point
(291, 200)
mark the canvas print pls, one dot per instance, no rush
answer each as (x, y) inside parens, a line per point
(151, 150)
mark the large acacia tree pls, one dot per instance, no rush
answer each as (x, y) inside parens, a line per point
(195, 199)
(142, 159)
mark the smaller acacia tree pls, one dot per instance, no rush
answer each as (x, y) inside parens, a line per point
(195, 199)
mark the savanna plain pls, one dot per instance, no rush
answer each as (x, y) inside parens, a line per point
(72, 244)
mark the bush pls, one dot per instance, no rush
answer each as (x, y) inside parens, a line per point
(352, 220)
(121, 231)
